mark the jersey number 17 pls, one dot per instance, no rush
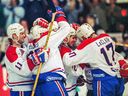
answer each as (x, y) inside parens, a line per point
(109, 47)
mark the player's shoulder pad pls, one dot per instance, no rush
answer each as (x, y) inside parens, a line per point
(11, 53)
(64, 49)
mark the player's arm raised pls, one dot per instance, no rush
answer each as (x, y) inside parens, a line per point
(64, 28)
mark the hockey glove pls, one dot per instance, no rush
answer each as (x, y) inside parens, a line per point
(42, 54)
(41, 22)
(123, 68)
(59, 12)
(39, 56)
(34, 57)
(80, 80)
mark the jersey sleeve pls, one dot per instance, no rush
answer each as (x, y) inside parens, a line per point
(55, 38)
(80, 55)
(17, 62)
(76, 57)
(74, 70)
(62, 32)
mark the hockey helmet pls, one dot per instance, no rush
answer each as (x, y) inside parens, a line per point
(84, 31)
(72, 32)
(15, 28)
(36, 31)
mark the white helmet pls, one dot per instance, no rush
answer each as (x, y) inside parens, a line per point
(72, 32)
(37, 30)
(15, 28)
(84, 31)
(54, 26)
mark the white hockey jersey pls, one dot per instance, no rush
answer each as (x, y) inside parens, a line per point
(18, 68)
(54, 63)
(72, 72)
(99, 52)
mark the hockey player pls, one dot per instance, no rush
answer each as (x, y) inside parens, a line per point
(52, 76)
(19, 66)
(87, 70)
(72, 72)
(99, 52)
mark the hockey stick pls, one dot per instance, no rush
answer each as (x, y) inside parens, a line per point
(45, 47)
(121, 44)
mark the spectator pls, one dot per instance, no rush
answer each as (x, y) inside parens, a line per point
(86, 7)
(122, 28)
(3, 46)
(1, 53)
(56, 2)
(91, 19)
(13, 12)
(60, 3)
(99, 12)
(71, 10)
(113, 15)
(35, 9)
(2, 20)
(84, 13)
(24, 23)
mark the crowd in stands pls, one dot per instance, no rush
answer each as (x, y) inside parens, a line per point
(98, 13)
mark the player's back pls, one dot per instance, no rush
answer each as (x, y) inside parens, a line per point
(100, 52)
